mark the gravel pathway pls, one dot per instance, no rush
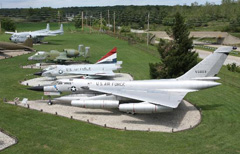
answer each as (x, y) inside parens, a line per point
(184, 117)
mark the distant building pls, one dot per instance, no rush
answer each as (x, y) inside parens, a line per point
(70, 17)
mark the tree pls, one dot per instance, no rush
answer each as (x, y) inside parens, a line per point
(8, 24)
(78, 21)
(177, 56)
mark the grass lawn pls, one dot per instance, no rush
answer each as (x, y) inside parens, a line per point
(43, 133)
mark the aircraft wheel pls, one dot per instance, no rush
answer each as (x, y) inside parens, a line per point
(50, 103)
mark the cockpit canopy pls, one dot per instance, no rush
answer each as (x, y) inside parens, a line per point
(61, 83)
(39, 53)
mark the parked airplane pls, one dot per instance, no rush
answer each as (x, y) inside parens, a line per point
(153, 96)
(27, 45)
(103, 68)
(60, 57)
(55, 55)
(37, 36)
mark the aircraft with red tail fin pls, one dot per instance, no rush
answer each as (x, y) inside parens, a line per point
(104, 67)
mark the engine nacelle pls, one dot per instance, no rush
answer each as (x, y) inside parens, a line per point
(96, 104)
(71, 52)
(143, 108)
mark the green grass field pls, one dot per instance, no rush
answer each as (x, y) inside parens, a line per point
(43, 133)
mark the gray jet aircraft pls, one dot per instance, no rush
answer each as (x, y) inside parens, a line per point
(143, 96)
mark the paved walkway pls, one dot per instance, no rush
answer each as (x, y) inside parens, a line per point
(184, 117)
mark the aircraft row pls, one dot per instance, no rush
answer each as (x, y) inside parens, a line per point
(140, 96)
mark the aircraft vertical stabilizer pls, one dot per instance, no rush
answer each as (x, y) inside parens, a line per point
(48, 27)
(61, 28)
(210, 66)
(110, 57)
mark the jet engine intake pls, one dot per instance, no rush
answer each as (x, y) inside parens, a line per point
(71, 52)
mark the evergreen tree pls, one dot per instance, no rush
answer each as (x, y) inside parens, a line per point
(177, 56)
(8, 24)
(78, 21)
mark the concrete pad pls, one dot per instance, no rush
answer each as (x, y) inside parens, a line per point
(41, 81)
(184, 117)
(6, 141)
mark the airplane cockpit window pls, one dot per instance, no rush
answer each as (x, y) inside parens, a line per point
(52, 67)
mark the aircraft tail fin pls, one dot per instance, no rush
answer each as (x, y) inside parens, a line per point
(48, 27)
(110, 57)
(210, 66)
(61, 28)
(28, 42)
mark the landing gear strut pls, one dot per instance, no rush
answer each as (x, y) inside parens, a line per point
(49, 101)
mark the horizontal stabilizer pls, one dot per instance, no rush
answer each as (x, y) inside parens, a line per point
(9, 33)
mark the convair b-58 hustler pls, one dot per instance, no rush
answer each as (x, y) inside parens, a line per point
(103, 68)
(143, 96)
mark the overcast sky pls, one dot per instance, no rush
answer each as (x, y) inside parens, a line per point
(68, 3)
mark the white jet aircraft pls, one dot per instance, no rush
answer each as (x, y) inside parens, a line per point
(143, 96)
(37, 36)
(103, 68)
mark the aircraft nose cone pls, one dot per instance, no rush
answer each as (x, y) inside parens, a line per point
(30, 58)
(38, 73)
(37, 88)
